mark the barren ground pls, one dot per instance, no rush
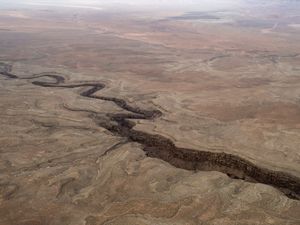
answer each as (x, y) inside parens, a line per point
(197, 121)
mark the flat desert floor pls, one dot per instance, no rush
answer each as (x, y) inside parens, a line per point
(146, 116)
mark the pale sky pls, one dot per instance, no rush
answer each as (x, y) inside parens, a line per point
(170, 3)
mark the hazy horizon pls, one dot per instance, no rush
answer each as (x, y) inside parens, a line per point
(195, 5)
(201, 4)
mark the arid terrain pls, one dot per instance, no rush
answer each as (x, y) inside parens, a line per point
(120, 115)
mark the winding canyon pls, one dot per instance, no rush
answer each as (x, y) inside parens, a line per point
(163, 148)
(118, 113)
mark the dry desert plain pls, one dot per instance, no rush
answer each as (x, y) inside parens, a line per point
(119, 116)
